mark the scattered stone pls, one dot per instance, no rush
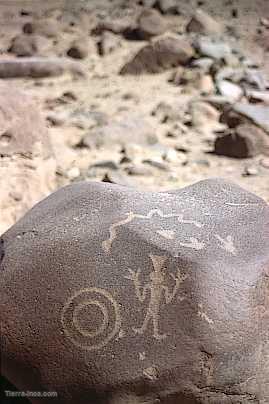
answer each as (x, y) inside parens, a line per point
(157, 164)
(147, 3)
(171, 155)
(118, 26)
(204, 116)
(79, 49)
(230, 90)
(55, 119)
(27, 45)
(234, 75)
(177, 76)
(257, 96)
(166, 112)
(73, 260)
(109, 164)
(257, 113)
(265, 162)
(67, 97)
(150, 23)
(167, 6)
(250, 171)
(212, 48)
(125, 131)
(203, 63)
(206, 84)
(245, 141)
(73, 173)
(265, 22)
(108, 43)
(47, 27)
(202, 23)
(256, 79)
(202, 162)
(118, 178)
(138, 170)
(231, 118)
(162, 54)
(36, 67)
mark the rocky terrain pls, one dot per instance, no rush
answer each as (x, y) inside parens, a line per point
(151, 94)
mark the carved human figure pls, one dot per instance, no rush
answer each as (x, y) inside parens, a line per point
(157, 290)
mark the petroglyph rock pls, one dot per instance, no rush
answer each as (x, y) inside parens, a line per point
(27, 164)
(163, 294)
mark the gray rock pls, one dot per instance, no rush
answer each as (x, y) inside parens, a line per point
(166, 112)
(168, 6)
(108, 43)
(213, 48)
(73, 316)
(118, 178)
(258, 96)
(162, 54)
(150, 23)
(79, 49)
(37, 67)
(110, 164)
(257, 113)
(256, 78)
(139, 170)
(230, 90)
(203, 63)
(245, 141)
(203, 23)
(157, 164)
(25, 45)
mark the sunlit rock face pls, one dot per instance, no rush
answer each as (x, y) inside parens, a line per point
(27, 164)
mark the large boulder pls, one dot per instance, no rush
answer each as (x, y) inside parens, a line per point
(150, 24)
(27, 164)
(162, 54)
(38, 67)
(106, 290)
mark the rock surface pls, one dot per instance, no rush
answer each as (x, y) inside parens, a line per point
(180, 276)
(27, 165)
